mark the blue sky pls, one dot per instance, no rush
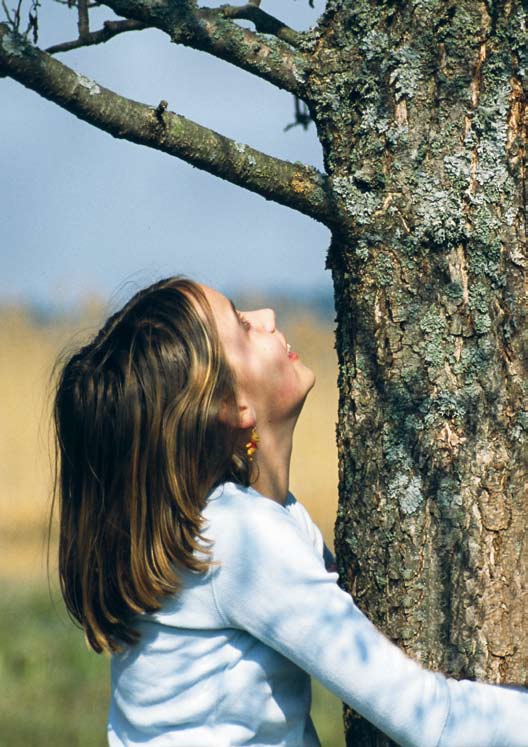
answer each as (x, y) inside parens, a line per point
(83, 213)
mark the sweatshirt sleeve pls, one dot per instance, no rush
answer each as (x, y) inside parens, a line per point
(272, 584)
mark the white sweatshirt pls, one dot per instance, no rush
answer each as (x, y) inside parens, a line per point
(227, 661)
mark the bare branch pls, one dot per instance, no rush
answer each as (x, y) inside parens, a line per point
(264, 22)
(109, 30)
(298, 186)
(302, 116)
(33, 21)
(8, 14)
(14, 20)
(208, 30)
(84, 22)
(71, 3)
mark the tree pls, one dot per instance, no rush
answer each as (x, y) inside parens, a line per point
(420, 107)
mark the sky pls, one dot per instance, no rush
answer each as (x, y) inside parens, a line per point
(84, 214)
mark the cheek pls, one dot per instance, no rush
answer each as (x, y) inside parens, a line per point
(284, 381)
(272, 380)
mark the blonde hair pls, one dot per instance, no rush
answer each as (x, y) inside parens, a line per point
(139, 446)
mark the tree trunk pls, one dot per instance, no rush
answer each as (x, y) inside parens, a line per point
(421, 111)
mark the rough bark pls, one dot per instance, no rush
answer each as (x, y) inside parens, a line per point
(421, 109)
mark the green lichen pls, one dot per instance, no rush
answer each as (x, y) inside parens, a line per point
(519, 431)
(404, 486)
(479, 304)
(433, 326)
(441, 221)
(473, 364)
(449, 492)
(374, 45)
(444, 406)
(406, 73)
(454, 292)
(359, 205)
(432, 323)
(89, 84)
(517, 42)
(457, 167)
(407, 490)
(14, 44)
(383, 271)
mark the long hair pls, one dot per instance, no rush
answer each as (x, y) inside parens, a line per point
(139, 445)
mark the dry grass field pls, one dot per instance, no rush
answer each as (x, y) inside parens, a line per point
(29, 350)
(28, 353)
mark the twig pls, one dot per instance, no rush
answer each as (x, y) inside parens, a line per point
(208, 30)
(71, 3)
(160, 110)
(17, 15)
(33, 21)
(84, 22)
(14, 21)
(295, 185)
(302, 115)
(110, 29)
(264, 22)
(8, 14)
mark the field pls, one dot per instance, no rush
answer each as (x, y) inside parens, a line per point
(55, 691)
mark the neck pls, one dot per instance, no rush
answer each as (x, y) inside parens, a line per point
(272, 463)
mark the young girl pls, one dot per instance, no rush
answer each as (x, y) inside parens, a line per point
(184, 555)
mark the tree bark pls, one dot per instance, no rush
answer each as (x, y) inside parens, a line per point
(421, 110)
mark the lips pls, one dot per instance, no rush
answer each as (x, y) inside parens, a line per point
(291, 355)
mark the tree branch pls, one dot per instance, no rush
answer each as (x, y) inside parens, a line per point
(264, 22)
(208, 30)
(110, 29)
(298, 186)
(84, 21)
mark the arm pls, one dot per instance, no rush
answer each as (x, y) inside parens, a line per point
(272, 584)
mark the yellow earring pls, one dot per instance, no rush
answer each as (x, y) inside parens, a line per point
(252, 445)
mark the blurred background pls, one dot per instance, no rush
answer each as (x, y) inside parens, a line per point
(85, 221)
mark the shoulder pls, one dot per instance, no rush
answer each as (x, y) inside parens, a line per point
(260, 555)
(232, 508)
(240, 520)
(305, 523)
(239, 504)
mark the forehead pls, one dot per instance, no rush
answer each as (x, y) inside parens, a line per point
(223, 309)
(218, 302)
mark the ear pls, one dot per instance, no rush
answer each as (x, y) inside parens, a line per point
(242, 416)
(246, 417)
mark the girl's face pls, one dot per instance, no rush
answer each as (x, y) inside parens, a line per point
(271, 380)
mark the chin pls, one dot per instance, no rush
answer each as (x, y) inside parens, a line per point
(310, 380)
(309, 385)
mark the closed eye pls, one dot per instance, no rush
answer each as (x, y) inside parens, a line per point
(243, 321)
(241, 318)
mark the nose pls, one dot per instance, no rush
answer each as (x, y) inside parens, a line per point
(264, 318)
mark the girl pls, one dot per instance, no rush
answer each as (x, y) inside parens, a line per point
(184, 555)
